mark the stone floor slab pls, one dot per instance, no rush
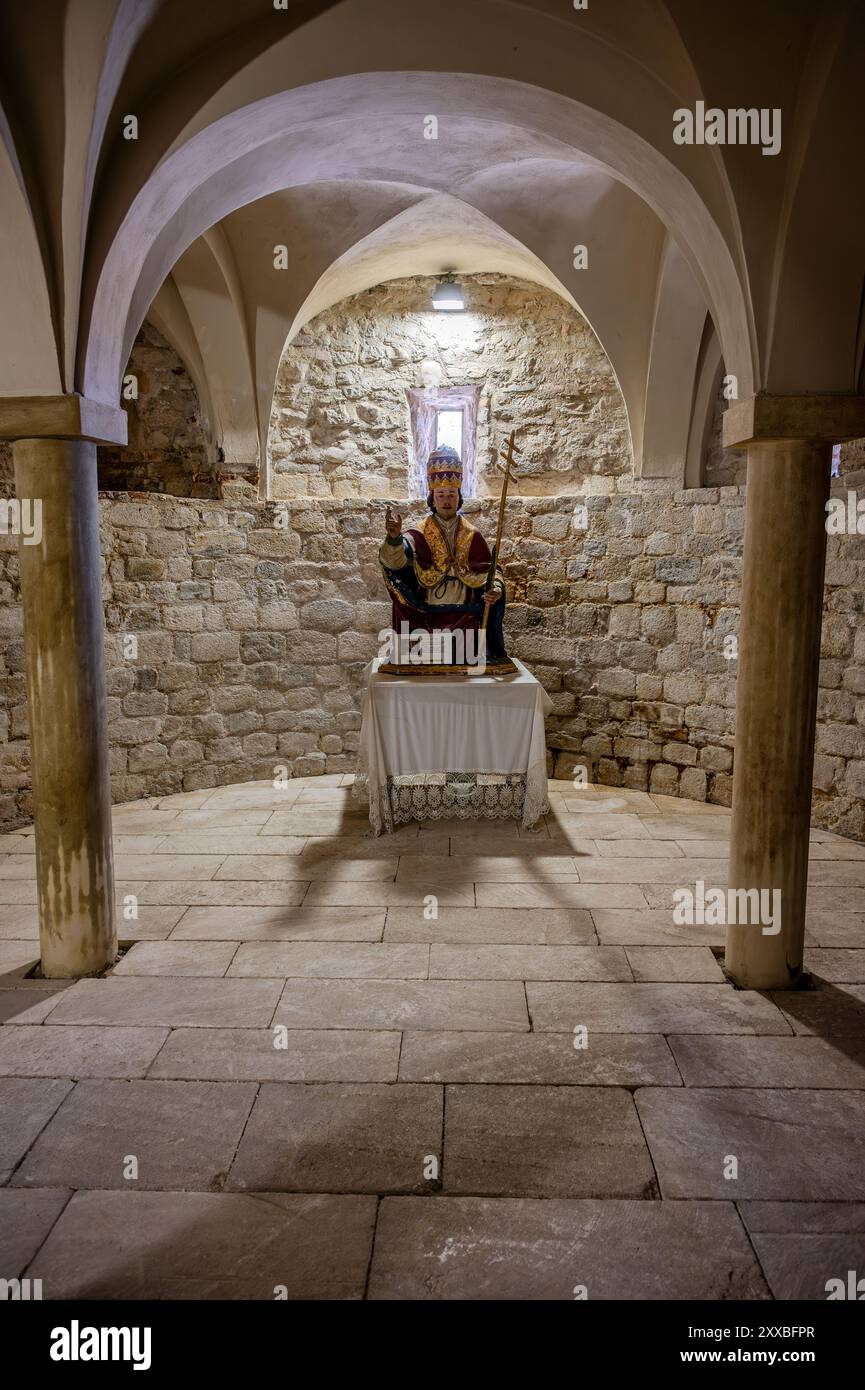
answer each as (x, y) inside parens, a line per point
(239, 817)
(351, 925)
(18, 865)
(528, 963)
(263, 867)
(703, 849)
(583, 820)
(365, 845)
(490, 833)
(183, 1134)
(812, 1063)
(555, 894)
(704, 825)
(230, 843)
(263, 792)
(836, 871)
(318, 821)
(25, 1220)
(78, 1051)
(264, 1054)
(169, 1003)
(678, 871)
(835, 901)
(661, 896)
(652, 1008)
(544, 1141)
(836, 928)
(331, 960)
(19, 922)
(150, 924)
(836, 1011)
(841, 966)
(813, 1267)
(26, 1107)
(164, 804)
(218, 893)
(645, 848)
(18, 890)
(804, 1218)
(19, 839)
(166, 866)
(824, 845)
(485, 840)
(674, 964)
(315, 796)
(345, 893)
(491, 926)
(474, 868)
(651, 927)
(16, 956)
(609, 800)
(676, 806)
(280, 924)
(800, 1146)
(198, 1245)
(341, 1138)
(611, 1059)
(520, 1249)
(198, 958)
(20, 1005)
(137, 818)
(478, 1005)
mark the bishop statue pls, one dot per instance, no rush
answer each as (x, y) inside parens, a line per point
(441, 576)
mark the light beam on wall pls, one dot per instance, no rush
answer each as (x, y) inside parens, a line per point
(448, 296)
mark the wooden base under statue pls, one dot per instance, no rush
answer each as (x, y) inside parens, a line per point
(505, 667)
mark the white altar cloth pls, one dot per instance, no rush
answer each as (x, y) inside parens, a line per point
(489, 726)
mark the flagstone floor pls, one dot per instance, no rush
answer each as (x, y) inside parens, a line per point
(329, 1066)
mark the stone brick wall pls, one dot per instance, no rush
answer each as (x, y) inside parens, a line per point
(722, 467)
(167, 449)
(7, 470)
(340, 420)
(627, 630)
(254, 624)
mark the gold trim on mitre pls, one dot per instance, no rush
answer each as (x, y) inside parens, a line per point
(444, 468)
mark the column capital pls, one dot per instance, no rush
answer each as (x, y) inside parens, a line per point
(831, 418)
(61, 417)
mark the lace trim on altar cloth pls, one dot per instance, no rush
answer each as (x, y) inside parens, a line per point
(427, 796)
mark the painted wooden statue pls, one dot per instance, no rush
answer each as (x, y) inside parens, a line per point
(442, 576)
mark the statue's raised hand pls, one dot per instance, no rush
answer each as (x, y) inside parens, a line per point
(393, 523)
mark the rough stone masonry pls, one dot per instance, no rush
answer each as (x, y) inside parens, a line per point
(254, 621)
(254, 624)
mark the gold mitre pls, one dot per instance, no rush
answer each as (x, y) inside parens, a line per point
(444, 466)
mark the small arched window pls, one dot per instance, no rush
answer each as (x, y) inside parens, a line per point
(446, 415)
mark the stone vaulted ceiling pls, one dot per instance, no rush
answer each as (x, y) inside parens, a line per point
(307, 127)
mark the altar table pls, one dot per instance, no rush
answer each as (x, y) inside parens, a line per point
(462, 747)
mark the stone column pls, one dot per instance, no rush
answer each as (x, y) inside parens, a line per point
(61, 591)
(789, 462)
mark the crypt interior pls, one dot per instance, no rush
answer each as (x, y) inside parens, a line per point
(239, 1051)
